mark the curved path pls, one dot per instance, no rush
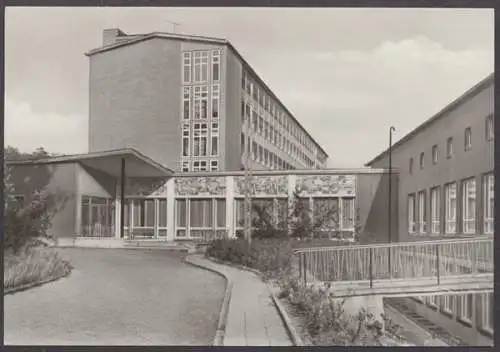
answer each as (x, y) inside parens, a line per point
(118, 297)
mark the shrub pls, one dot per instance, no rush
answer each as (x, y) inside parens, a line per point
(271, 257)
(325, 322)
(33, 265)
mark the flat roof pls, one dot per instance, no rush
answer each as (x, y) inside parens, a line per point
(122, 41)
(109, 161)
(483, 84)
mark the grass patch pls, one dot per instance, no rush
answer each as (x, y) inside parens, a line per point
(32, 266)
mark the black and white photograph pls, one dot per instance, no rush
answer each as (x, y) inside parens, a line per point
(248, 176)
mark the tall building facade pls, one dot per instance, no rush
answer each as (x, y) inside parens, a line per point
(446, 190)
(192, 103)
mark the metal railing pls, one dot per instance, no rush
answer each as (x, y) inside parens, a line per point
(409, 260)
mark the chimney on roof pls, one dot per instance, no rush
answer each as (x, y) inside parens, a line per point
(110, 35)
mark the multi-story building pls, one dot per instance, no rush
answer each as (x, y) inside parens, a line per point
(445, 189)
(191, 103)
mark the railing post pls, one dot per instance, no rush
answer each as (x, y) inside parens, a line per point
(304, 262)
(371, 267)
(474, 259)
(437, 265)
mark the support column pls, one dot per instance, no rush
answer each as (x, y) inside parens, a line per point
(170, 209)
(230, 206)
(122, 194)
(118, 206)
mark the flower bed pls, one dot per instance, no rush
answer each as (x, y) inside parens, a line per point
(314, 312)
(33, 266)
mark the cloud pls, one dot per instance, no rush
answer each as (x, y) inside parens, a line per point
(28, 129)
(358, 94)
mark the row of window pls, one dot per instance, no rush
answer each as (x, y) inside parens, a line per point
(196, 140)
(417, 208)
(272, 111)
(461, 307)
(195, 66)
(200, 165)
(263, 156)
(489, 135)
(257, 122)
(195, 102)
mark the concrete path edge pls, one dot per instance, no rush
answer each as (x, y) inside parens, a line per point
(294, 336)
(25, 287)
(221, 325)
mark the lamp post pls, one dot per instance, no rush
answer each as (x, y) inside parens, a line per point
(248, 176)
(391, 129)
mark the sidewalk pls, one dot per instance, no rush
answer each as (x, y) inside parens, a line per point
(253, 320)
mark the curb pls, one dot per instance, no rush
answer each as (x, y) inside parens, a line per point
(294, 336)
(25, 287)
(221, 326)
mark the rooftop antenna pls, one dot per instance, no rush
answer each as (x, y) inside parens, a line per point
(174, 26)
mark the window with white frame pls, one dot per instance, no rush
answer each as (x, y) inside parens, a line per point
(196, 139)
(196, 166)
(186, 103)
(348, 214)
(143, 213)
(469, 206)
(487, 311)
(186, 67)
(489, 128)
(449, 147)
(467, 139)
(254, 151)
(215, 101)
(185, 140)
(216, 65)
(162, 217)
(450, 208)
(214, 165)
(326, 213)
(185, 166)
(181, 217)
(422, 212)
(466, 306)
(200, 102)
(435, 154)
(488, 203)
(197, 66)
(203, 165)
(204, 66)
(435, 210)
(215, 139)
(411, 213)
(203, 139)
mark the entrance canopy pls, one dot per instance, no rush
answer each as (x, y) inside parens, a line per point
(110, 162)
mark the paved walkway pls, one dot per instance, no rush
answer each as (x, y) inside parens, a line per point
(253, 320)
(118, 297)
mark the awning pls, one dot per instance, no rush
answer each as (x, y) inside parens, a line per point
(110, 162)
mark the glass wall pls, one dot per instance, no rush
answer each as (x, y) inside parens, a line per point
(200, 218)
(146, 217)
(97, 217)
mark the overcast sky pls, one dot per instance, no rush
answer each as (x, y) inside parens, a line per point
(346, 74)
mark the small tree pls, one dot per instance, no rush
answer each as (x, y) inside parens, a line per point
(299, 221)
(25, 223)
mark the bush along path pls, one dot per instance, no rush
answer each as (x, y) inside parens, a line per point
(315, 313)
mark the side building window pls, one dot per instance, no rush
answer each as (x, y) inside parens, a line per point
(469, 206)
(435, 210)
(488, 203)
(422, 213)
(468, 139)
(411, 213)
(450, 208)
